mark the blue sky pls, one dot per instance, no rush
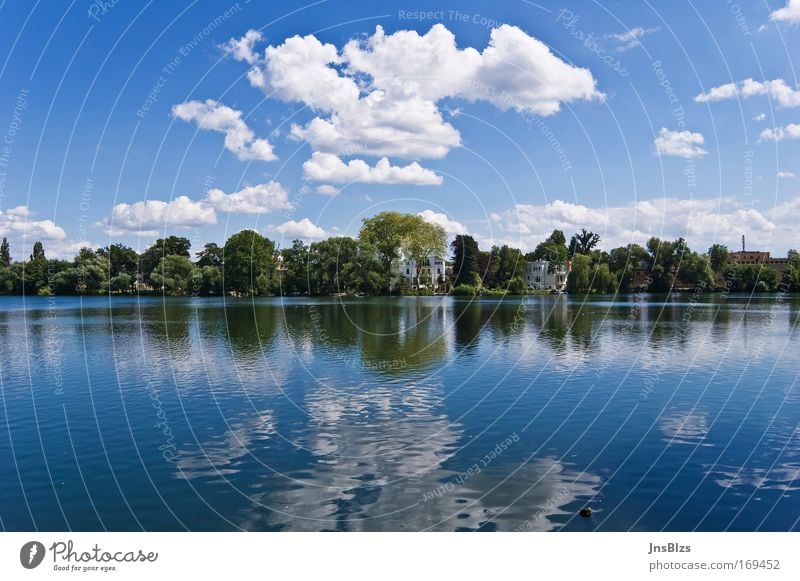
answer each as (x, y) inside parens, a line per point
(124, 121)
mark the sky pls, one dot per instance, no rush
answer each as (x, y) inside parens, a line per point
(123, 122)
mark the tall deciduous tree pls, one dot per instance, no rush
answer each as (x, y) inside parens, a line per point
(150, 258)
(210, 255)
(173, 274)
(122, 259)
(294, 268)
(248, 262)
(582, 243)
(385, 233)
(423, 240)
(38, 251)
(5, 254)
(719, 256)
(465, 259)
(553, 249)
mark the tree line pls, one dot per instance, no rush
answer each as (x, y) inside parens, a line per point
(249, 263)
(665, 265)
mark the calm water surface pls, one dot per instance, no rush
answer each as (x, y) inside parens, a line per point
(400, 414)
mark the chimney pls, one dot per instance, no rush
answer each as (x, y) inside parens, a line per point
(742, 242)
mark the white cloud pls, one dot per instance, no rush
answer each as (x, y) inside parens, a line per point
(701, 221)
(450, 226)
(328, 167)
(631, 38)
(679, 143)
(259, 199)
(785, 174)
(151, 216)
(327, 190)
(239, 138)
(242, 48)
(777, 89)
(66, 249)
(379, 95)
(304, 229)
(791, 131)
(789, 13)
(16, 223)
(760, 117)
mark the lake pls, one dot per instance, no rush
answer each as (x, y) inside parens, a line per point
(429, 413)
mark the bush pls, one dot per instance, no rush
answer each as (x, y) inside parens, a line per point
(465, 290)
(516, 286)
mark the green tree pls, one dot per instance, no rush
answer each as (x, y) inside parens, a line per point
(338, 265)
(385, 233)
(172, 245)
(207, 280)
(719, 256)
(173, 274)
(211, 255)
(38, 251)
(622, 261)
(10, 279)
(92, 271)
(121, 283)
(465, 259)
(122, 260)
(696, 271)
(582, 243)
(294, 273)
(422, 241)
(248, 255)
(516, 286)
(509, 263)
(665, 261)
(5, 254)
(553, 249)
(579, 281)
(487, 266)
(602, 280)
(34, 272)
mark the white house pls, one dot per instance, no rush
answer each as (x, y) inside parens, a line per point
(431, 274)
(541, 275)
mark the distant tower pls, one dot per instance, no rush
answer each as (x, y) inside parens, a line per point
(742, 242)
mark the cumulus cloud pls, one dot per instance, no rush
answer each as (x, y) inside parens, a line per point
(679, 143)
(304, 229)
(785, 174)
(16, 223)
(242, 48)
(701, 221)
(327, 190)
(151, 216)
(259, 199)
(214, 116)
(789, 13)
(760, 117)
(631, 38)
(450, 226)
(330, 168)
(379, 95)
(777, 89)
(791, 131)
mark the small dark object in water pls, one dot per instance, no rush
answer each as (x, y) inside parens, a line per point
(586, 512)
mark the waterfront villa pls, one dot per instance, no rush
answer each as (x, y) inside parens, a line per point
(543, 275)
(434, 273)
